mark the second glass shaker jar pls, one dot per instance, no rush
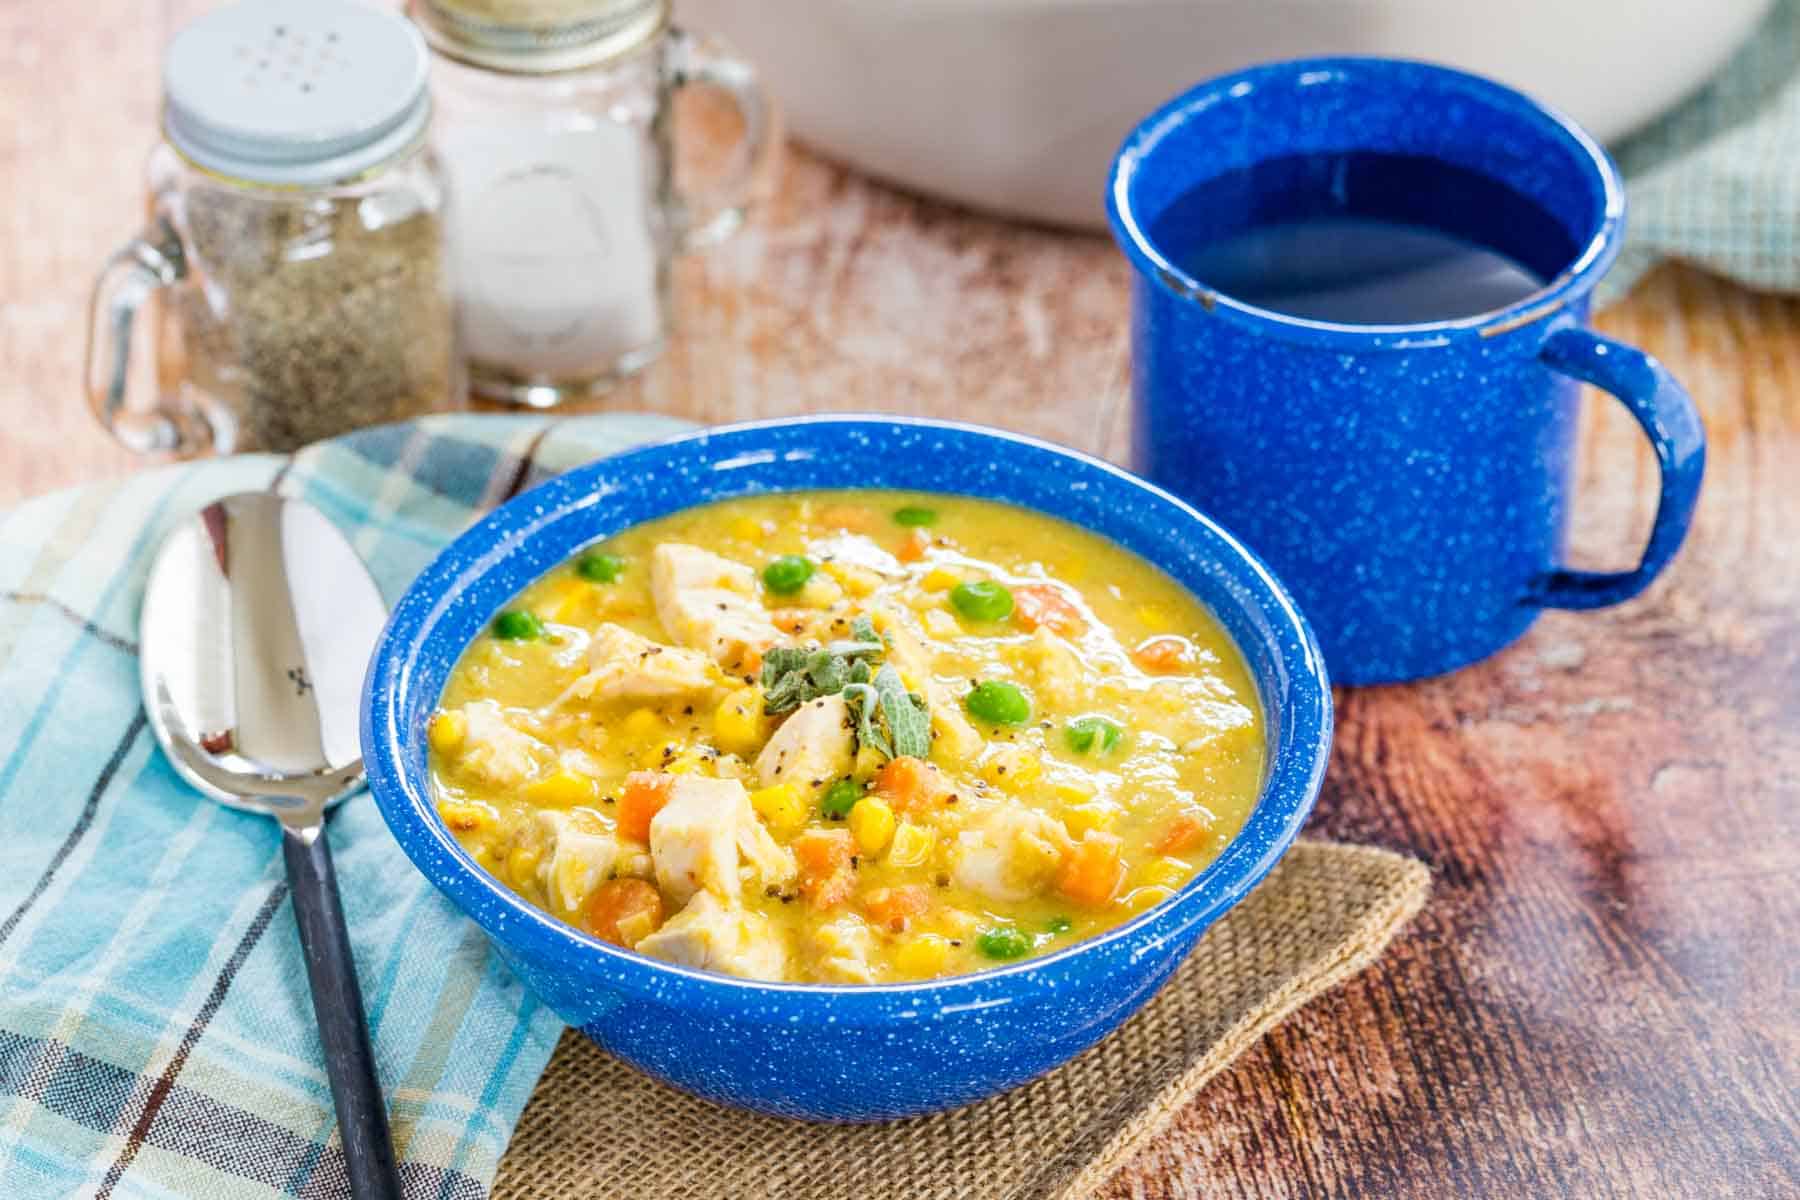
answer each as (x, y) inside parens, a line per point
(554, 126)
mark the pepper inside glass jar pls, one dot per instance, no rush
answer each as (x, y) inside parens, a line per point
(312, 313)
(296, 247)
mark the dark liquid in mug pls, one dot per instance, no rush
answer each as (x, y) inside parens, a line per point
(1364, 239)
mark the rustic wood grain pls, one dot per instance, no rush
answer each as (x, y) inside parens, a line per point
(1600, 1000)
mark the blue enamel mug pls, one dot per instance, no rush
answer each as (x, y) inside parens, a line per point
(1408, 476)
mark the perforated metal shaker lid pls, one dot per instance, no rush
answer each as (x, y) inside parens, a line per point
(538, 36)
(295, 91)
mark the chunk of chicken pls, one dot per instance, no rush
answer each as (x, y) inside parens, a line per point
(709, 603)
(1011, 855)
(842, 948)
(697, 837)
(580, 860)
(624, 666)
(497, 750)
(953, 731)
(812, 747)
(720, 937)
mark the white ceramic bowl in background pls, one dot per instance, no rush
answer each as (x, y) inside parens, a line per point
(1016, 106)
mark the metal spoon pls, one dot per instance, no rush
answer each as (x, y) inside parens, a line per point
(257, 626)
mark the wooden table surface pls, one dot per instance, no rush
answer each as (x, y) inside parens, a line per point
(1603, 997)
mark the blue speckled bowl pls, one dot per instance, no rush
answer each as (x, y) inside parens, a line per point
(805, 1050)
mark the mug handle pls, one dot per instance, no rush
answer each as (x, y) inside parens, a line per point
(152, 260)
(714, 213)
(1669, 419)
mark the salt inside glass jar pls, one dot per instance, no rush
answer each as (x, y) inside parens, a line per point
(554, 125)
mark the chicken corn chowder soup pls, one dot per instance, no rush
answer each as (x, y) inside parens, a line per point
(848, 737)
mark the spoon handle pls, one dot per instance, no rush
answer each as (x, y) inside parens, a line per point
(337, 1006)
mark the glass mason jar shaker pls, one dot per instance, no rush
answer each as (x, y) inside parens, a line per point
(295, 238)
(554, 127)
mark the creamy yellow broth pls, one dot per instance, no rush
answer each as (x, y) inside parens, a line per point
(630, 786)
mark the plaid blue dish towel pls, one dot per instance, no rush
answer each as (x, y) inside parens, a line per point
(1716, 182)
(156, 1036)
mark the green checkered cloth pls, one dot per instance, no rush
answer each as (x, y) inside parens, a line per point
(156, 1037)
(1716, 182)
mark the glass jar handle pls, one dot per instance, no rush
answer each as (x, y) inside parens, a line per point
(152, 260)
(714, 213)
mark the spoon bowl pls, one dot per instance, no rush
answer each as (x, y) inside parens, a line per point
(257, 626)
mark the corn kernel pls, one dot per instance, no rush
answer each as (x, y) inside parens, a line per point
(447, 729)
(661, 755)
(522, 864)
(821, 591)
(463, 818)
(1164, 872)
(641, 724)
(872, 824)
(912, 845)
(1012, 768)
(747, 529)
(939, 579)
(858, 581)
(738, 721)
(1070, 790)
(689, 762)
(567, 605)
(922, 955)
(563, 788)
(781, 806)
(1146, 897)
(1081, 819)
(940, 624)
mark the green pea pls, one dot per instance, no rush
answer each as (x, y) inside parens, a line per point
(1003, 942)
(518, 626)
(1084, 733)
(1059, 925)
(982, 600)
(600, 568)
(998, 703)
(788, 574)
(839, 799)
(913, 515)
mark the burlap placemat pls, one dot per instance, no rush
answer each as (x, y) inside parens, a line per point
(597, 1130)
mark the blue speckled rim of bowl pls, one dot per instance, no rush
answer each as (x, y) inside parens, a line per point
(457, 593)
(1594, 259)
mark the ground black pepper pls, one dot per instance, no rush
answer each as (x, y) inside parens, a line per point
(314, 315)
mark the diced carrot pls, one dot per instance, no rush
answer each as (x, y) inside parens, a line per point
(791, 620)
(622, 911)
(1184, 833)
(910, 783)
(847, 516)
(644, 796)
(1164, 654)
(823, 851)
(893, 907)
(826, 876)
(1038, 605)
(913, 546)
(1093, 870)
